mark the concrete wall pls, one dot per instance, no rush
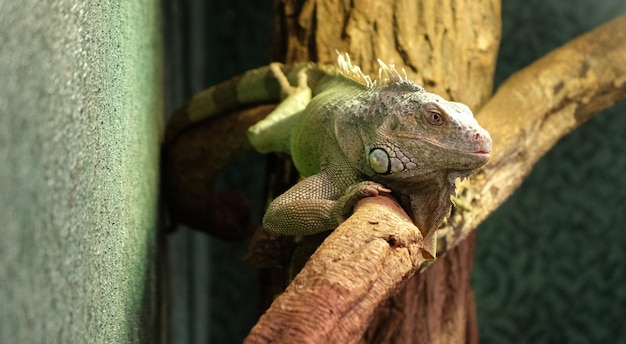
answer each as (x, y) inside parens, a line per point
(80, 109)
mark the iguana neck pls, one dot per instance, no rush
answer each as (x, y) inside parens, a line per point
(427, 200)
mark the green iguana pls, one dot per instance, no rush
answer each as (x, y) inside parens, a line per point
(352, 137)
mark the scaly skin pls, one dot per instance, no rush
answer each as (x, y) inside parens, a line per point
(353, 138)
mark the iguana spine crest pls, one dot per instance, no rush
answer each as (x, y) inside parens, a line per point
(387, 74)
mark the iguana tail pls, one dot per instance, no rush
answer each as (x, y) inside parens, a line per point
(257, 86)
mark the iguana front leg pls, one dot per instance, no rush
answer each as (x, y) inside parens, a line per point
(316, 205)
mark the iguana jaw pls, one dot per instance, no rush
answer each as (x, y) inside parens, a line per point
(427, 201)
(436, 157)
(479, 152)
(470, 153)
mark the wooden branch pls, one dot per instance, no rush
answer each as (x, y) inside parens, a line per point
(192, 161)
(359, 266)
(534, 108)
(436, 306)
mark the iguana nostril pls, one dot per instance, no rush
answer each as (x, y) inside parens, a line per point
(475, 136)
(480, 137)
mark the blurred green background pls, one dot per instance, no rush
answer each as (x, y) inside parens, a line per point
(80, 109)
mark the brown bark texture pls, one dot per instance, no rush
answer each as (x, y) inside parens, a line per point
(360, 285)
(328, 300)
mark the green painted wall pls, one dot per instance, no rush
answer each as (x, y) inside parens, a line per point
(80, 109)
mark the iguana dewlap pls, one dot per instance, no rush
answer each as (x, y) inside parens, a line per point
(353, 137)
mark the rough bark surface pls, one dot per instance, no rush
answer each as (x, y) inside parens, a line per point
(448, 46)
(537, 106)
(346, 279)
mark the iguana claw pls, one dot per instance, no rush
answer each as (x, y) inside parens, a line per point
(345, 204)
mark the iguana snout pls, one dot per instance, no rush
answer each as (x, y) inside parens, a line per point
(480, 142)
(481, 139)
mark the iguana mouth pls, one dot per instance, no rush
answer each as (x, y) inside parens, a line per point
(479, 155)
(481, 152)
(480, 147)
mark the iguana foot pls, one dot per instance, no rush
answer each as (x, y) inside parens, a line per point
(286, 89)
(366, 189)
(345, 205)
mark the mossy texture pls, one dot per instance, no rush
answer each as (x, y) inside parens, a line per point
(80, 94)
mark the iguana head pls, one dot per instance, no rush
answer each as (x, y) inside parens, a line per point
(409, 132)
(418, 133)
(418, 147)
(412, 141)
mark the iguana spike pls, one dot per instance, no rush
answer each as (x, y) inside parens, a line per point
(387, 74)
(391, 74)
(353, 72)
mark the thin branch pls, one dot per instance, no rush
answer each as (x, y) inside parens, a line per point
(534, 109)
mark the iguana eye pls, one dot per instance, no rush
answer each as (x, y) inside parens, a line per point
(379, 161)
(434, 117)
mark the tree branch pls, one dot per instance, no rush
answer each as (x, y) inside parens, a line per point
(360, 265)
(533, 109)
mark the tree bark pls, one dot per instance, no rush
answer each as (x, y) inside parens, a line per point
(449, 46)
(346, 279)
(537, 106)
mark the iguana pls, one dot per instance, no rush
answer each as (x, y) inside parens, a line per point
(352, 137)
